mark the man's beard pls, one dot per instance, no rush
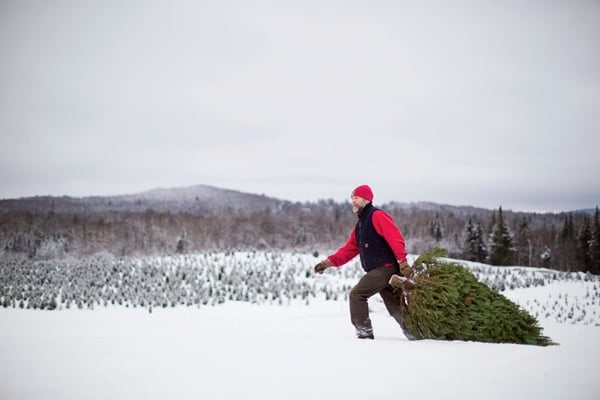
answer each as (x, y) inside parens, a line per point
(357, 210)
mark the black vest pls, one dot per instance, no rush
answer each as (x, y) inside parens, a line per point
(374, 250)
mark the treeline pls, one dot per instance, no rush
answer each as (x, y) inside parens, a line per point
(564, 241)
(574, 247)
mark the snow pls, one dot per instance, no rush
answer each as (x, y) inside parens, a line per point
(297, 351)
(239, 350)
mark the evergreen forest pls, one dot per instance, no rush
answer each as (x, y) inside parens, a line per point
(206, 219)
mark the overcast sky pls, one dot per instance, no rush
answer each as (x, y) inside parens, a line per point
(483, 103)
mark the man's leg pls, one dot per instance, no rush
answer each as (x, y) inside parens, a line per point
(372, 282)
(392, 304)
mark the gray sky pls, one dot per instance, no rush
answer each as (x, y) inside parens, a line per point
(483, 103)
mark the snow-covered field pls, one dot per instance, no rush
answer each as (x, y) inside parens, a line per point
(267, 351)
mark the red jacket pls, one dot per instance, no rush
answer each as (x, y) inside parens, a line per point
(384, 225)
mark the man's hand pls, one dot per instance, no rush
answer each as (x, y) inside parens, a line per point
(322, 266)
(405, 269)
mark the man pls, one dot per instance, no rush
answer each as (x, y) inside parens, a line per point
(382, 251)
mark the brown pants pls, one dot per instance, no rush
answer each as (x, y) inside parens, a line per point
(374, 281)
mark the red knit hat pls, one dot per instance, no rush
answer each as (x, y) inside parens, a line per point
(363, 191)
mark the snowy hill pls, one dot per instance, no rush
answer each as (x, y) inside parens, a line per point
(193, 199)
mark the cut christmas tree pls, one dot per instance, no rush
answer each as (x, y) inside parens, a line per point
(445, 301)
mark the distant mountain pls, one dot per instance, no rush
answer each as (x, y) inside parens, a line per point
(199, 199)
(194, 199)
(439, 208)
